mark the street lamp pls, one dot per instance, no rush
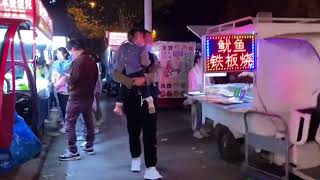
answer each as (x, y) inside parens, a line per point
(92, 4)
(154, 34)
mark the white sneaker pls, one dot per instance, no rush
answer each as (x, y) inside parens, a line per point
(69, 156)
(136, 165)
(197, 135)
(152, 173)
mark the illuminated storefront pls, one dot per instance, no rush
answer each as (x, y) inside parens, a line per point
(25, 37)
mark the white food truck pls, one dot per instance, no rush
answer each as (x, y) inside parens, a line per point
(279, 114)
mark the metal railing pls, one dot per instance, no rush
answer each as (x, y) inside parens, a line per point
(251, 20)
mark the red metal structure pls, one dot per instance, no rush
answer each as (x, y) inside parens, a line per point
(19, 20)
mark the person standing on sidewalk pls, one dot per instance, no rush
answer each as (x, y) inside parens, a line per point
(97, 96)
(96, 110)
(138, 116)
(61, 68)
(53, 105)
(82, 82)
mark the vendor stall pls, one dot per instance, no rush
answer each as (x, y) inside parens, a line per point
(278, 113)
(25, 34)
(176, 59)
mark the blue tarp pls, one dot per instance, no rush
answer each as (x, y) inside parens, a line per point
(25, 146)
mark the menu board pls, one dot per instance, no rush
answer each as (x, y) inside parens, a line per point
(176, 60)
(230, 53)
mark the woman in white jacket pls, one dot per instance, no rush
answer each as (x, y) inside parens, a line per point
(194, 84)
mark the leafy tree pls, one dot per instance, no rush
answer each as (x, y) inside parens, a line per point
(88, 19)
(111, 15)
(89, 27)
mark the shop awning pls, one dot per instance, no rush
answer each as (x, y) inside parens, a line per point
(199, 30)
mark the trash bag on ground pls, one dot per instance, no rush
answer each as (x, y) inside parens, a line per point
(25, 146)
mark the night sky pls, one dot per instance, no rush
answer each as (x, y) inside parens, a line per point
(169, 27)
(172, 27)
(63, 24)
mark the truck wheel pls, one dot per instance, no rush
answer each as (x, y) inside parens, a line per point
(229, 147)
(218, 130)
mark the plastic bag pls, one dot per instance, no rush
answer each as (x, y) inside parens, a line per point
(25, 146)
(43, 88)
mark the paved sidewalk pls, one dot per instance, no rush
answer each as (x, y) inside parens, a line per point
(31, 169)
(181, 157)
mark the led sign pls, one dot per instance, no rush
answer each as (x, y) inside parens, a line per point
(230, 53)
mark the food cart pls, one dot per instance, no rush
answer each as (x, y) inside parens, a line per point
(25, 33)
(279, 114)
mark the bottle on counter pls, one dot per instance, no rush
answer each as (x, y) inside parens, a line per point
(243, 92)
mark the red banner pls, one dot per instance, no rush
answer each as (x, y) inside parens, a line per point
(16, 9)
(23, 9)
(44, 22)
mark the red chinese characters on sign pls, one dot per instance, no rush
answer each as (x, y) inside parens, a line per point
(239, 46)
(231, 61)
(15, 5)
(216, 61)
(16, 9)
(230, 53)
(24, 9)
(44, 21)
(224, 45)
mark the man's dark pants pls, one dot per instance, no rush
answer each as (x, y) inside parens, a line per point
(139, 119)
(75, 107)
